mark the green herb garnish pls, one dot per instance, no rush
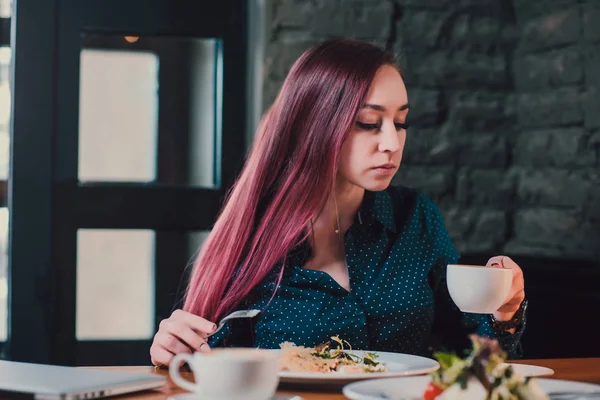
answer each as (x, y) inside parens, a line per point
(340, 349)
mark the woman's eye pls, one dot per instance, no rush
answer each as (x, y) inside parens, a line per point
(368, 127)
(377, 126)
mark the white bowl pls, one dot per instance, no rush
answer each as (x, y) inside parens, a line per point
(478, 289)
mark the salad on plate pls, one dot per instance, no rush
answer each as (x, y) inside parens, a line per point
(483, 374)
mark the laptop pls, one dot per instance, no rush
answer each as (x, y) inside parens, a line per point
(51, 382)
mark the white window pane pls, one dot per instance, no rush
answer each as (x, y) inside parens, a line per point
(3, 269)
(115, 284)
(118, 109)
(5, 56)
(203, 98)
(5, 8)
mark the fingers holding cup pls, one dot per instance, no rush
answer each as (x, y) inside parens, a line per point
(516, 294)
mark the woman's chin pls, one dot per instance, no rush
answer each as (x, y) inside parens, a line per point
(378, 185)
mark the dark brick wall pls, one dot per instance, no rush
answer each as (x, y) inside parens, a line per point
(556, 65)
(505, 110)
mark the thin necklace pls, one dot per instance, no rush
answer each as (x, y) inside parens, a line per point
(337, 215)
(337, 232)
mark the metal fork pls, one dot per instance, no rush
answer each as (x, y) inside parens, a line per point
(235, 315)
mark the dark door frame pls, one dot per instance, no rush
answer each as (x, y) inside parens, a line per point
(48, 204)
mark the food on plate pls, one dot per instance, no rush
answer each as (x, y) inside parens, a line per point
(481, 375)
(335, 356)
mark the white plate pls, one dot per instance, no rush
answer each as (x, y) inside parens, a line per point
(398, 364)
(193, 396)
(414, 386)
(531, 370)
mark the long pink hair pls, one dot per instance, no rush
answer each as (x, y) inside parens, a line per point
(288, 175)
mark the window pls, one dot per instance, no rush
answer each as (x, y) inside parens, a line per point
(115, 284)
(5, 56)
(118, 112)
(133, 129)
(5, 8)
(156, 204)
(131, 88)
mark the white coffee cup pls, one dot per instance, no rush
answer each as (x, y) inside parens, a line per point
(478, 289)
(229, 373)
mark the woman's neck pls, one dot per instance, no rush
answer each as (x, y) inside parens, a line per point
(340, 211)
(327, 236)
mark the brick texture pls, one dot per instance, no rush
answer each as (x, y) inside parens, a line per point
(505, 110)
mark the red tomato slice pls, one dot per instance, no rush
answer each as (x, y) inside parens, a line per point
(432, 391)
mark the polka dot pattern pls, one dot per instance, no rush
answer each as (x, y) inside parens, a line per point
(397, 252)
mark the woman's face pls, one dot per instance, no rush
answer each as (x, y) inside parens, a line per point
(373, 151)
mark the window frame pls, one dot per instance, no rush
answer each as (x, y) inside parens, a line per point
(48, 204)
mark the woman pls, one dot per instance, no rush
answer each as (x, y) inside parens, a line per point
(313, 235)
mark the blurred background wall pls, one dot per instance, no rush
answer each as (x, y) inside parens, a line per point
(505, 110)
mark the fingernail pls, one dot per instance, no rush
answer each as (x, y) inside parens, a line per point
(205, 348)
(495, 264)
(214, 328)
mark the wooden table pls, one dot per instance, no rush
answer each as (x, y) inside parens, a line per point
(577, 369)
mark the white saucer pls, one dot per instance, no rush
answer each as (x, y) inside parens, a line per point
(193, 396)
(414, 386)
(531, 370)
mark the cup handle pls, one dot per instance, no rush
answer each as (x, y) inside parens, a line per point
(174, 372)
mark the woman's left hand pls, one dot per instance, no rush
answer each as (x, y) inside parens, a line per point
(517, 290)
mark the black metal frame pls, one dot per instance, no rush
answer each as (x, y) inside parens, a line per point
(31, 284)
(4, 31)
(48, 204)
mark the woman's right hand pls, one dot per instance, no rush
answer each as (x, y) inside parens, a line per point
(182, 332)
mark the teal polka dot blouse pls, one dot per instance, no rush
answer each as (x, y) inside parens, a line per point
(397, 251)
